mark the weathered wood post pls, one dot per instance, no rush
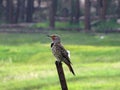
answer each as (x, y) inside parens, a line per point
(61, 75)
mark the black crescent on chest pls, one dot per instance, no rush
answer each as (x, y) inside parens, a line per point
(52, 45)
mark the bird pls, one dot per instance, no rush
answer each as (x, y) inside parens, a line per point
(60, 52)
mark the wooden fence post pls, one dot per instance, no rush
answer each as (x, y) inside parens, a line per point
(61, 75)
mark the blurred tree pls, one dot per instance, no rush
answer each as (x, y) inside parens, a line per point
(29, 10)
(98, 5)
(52, 13)
(9, 11)
(1, 8)
(87, 15)
(77, 11)
(102, 9)
(22, 10)
(118, 9)
(17, 11)
(39, 2)
(72, 12)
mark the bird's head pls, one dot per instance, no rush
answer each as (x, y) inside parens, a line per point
(55, 38)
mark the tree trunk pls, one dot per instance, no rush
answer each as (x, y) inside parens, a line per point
(77, 11)
(72, 12)
(1, 8)
(118, 9)
(98, 7)
(22, 11)
(87, 15)
(17, 11)
(103, 9)
(9, 11)
(52, 13)
(29, 11)
(39, 2)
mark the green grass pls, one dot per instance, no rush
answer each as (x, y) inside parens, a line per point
(26, 61)
(104, 26)
(98, 26)
(59, 25)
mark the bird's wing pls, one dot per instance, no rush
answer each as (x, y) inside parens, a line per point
(68, 53)
(64, 53)
(66, 58)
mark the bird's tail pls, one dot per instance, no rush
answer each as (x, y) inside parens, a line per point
(71, 69)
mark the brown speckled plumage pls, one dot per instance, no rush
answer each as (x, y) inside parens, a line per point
(59, 52)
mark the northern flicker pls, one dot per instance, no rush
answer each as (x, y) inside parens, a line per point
(59, 51)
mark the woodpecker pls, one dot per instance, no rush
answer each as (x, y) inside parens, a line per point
(59, 52)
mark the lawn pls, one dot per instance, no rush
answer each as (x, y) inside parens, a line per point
(26, 61)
